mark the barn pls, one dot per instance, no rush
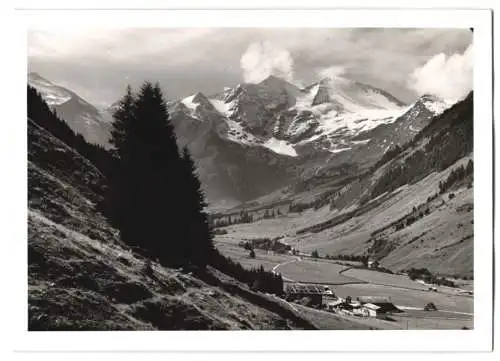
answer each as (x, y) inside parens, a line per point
(297, 291)
(377, 306)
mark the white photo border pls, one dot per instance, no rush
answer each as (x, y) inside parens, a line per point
(478, 339)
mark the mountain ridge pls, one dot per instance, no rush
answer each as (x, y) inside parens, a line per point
(83, 117)
(271, 125)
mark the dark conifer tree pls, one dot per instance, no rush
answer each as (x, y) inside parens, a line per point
(145, 184)
(156, 195)
(123, 118)
(199, 237)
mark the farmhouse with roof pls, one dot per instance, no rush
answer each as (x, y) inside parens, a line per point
(376, 306)
(316, 293)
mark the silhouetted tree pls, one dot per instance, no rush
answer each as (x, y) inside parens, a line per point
(157, 202)
(123, 118)
(200, 242)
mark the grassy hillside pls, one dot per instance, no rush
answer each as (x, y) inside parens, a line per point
(82, 277)
(441, 240)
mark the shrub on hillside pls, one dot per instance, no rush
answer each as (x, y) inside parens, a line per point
(219, 231)
(420, 273)
(430, 307)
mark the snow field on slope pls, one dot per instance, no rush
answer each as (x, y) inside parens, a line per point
(52, 94)
(280, 146)
(188, 102)
(222, 107)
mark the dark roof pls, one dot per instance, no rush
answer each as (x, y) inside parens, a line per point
(345, 306)
(386, 307)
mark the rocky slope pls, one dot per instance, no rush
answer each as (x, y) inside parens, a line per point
(283, 135)
(230, 171)
(81, 277)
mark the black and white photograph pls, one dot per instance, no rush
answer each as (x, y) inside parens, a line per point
(208, 178)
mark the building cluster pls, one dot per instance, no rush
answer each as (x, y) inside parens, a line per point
(363, 306)
(323, 297)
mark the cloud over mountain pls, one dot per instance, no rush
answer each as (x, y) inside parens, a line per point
(98, 63)
(331, 72)
(264, 58)
(448, 77)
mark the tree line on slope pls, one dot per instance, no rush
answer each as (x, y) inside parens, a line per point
(450, 138)
(244, 216)
(152, 194)
(40, 113)
(425, 275)
(389, 155)
(266, 244)
(456, 175)
(257, 278)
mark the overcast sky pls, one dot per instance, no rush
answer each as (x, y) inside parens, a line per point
(99, 63)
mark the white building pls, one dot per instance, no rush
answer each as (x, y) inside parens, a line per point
(371, 309)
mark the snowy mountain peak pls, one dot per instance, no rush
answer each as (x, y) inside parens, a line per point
(336, 81)
(199, 98)
(350, 96)
(277, 83)
(280, 116)
(193, 101)
(433, 103)
(53, 94)
(322, 94)
(81, 116)
(335, 117)
(199, 107)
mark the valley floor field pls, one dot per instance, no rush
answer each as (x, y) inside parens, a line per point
(315, 271)
(454, 310)
(439, 239)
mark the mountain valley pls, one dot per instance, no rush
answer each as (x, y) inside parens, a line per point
(339, 168)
